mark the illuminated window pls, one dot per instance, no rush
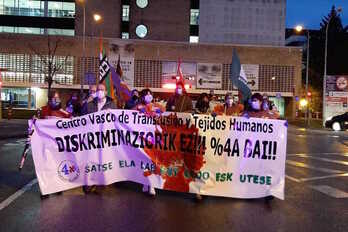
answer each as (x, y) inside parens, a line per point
(194, 18)
(194, 39)
(125, 35)
(37, 8)
(125, 13)
(141, 31)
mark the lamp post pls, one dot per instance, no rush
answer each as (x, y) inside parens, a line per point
(83, 47)
(299, 29)
(339, 9)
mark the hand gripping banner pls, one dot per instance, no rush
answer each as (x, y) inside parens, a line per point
(219, 156)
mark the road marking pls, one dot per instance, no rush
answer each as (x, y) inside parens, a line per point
(297, 154)
(332, 192)
(334, 136)
(293, 178)
(323, 159)
(303, 165)
(17, 194)
(315, 178)
(323, 177)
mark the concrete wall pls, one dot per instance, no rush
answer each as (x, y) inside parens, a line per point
(165, 20)
(242, 21)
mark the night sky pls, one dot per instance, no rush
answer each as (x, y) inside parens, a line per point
(310, 12)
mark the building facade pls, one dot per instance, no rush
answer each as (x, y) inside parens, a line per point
(37, 17)
(259, 22)
(150, 36)
(276, 71)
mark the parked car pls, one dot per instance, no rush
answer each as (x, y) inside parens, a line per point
(338, 122)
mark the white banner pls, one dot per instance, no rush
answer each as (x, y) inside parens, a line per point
(209, 76)
(220, 156)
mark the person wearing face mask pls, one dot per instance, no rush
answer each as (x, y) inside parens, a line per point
(133, 101)
(229, 107)
(100, 102)
(147, 106)
(258, 108)
(53, 109)
(180, 101)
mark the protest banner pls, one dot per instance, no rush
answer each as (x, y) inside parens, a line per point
(210, 155)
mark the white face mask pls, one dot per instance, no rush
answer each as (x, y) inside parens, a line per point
(148, 99)
(256, 105)
(179, 91)
(94, 95)
(230, 102)
(100, 94)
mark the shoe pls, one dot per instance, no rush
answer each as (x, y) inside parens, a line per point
(44, 196)
(152, 191)
(145, 188)
(199, 197)
(89, 189)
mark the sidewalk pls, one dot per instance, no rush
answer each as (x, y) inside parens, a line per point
(14, 128)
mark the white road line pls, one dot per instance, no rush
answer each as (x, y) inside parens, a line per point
(323, 159)
(323, 177)
(17, 194)
(293, 178)
(339, 154)
(303, 165)
(332, 192)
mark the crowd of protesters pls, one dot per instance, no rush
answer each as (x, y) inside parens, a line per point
(256, 106)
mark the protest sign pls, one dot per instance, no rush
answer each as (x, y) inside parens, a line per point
(220, 156)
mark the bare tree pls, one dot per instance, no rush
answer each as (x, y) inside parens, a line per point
(50, 64)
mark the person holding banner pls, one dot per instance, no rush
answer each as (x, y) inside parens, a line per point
(258, 109)
(229, 108)
(148, 107)
(99, 103)
(180, 101)
(53, 109)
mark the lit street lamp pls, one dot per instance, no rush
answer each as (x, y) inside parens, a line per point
(299, 28)
(339, 9)
(97, 17)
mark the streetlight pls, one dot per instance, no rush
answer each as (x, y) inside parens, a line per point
(83, 46)
(97, 17)
(339, 10)
(299, 28)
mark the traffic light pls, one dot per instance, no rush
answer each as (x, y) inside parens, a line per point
(309, 94)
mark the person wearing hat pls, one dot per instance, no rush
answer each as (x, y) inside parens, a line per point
(180, 101)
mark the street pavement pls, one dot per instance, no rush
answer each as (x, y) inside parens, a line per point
(316, 197)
